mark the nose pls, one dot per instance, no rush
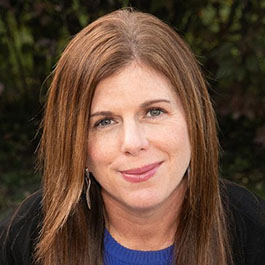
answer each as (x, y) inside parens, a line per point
(134, 138)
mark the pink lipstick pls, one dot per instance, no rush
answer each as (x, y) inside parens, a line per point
(141, 174)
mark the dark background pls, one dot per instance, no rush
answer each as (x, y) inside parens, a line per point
(227, 36)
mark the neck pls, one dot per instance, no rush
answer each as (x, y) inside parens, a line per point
(145, 229)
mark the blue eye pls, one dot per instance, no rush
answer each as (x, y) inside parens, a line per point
(155, 112)
(103, 123)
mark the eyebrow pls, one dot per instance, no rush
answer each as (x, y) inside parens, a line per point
(143, 105)
(150, 102)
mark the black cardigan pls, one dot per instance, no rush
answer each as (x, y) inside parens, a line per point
(246, 219)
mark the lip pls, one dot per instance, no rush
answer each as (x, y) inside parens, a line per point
(140, 174)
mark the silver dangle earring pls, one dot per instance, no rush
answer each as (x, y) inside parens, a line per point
(188, 172)
(88, 184)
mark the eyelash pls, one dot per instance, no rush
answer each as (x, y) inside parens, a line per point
(161, 111)
(98, 124)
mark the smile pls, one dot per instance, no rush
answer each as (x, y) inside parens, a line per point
(141, 174)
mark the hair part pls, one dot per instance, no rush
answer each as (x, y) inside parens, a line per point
(70, 233)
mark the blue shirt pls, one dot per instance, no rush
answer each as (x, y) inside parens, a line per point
(116, 254)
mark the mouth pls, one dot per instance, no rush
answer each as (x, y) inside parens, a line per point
(141, 174)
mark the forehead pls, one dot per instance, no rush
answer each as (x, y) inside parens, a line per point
(135, 83)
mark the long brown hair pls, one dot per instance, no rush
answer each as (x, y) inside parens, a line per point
(71, 234)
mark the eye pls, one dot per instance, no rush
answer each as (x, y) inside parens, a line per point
(155, 112)
(103, 123)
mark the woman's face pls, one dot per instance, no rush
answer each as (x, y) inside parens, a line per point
(138, 147)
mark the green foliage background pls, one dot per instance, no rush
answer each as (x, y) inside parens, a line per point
(227, 36)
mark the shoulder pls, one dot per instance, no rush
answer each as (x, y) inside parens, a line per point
(246, 204)
(246, 215)
(19, 232)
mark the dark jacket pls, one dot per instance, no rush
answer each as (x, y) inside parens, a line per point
(19, 234)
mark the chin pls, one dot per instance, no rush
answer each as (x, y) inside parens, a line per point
(144, 202)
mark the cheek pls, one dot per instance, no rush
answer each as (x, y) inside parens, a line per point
(101, 153)
(177, 145)
(97, 164)
(174, 136)
(182, 140)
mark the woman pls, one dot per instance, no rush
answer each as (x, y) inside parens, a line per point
(130, 160)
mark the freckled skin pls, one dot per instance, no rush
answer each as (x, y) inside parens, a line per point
(137, 134)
